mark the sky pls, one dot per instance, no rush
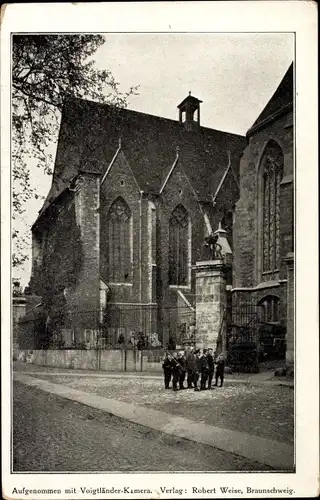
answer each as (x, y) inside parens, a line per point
(234, 74)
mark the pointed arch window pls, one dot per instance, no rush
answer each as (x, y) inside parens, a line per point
(272, 173)
(119, 242)
(179, 243)
(270, 309)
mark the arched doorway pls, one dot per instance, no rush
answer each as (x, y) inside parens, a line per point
(272, 333)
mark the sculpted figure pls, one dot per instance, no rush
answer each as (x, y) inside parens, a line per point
(212, 249)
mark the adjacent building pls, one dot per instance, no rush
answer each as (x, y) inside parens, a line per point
(263, 228)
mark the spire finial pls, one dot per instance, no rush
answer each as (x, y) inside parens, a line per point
(189, 92)
(119, 142)
(177, 150)
(220, 229)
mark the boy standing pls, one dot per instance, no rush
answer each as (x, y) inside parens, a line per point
(220, 370)
(196, 370)
(210, 367)
(167, 370)
(204, 370)
(182, 375)
(175, 371)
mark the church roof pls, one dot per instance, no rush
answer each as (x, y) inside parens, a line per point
(281, 99)
(89, 137)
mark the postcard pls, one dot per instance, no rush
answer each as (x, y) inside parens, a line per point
(159, 250)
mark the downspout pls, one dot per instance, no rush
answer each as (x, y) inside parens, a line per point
(140, 272)
(140, 250)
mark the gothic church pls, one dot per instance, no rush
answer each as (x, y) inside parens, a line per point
(133, 197)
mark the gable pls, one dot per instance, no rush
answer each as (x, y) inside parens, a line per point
(119, 180)
(228, 193)
(90, 133)
(118, 171)
(178, 189)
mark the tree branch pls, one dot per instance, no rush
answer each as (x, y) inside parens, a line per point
(32, 96)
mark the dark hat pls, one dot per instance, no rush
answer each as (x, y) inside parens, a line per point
(197, 351)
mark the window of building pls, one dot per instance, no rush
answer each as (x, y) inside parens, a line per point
(119, 242)
(270, 309)
(272, 174)
(179, 242)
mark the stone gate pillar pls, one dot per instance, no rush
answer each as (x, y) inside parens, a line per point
(289, 260)
(211, 304)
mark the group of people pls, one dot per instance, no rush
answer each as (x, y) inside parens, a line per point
(193, 365)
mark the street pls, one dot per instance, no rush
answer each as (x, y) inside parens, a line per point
(51, 433)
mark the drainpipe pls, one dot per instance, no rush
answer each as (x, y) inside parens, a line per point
(140, 251)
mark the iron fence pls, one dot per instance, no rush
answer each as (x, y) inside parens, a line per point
(250, 339)
(117, 326)
(243, 320)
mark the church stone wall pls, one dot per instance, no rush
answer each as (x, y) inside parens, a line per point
(177, 191)
(83, 298)
(138, 292)
(121, 183)
(246, 232)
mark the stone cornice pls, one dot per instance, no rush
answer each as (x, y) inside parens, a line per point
(261, 286)
(210, 266)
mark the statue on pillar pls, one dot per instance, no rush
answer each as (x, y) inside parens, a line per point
(211, 248)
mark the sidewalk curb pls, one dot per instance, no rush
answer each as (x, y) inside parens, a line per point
(278, 455)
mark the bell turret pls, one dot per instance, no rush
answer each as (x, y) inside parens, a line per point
(188, 108)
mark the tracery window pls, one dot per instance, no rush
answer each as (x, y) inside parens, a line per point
(272, 175)
(119, 242)
(270, 309)
(179, 247)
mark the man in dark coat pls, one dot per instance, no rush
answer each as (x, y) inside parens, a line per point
(196, 370)
(204, 369)
(167, 369)
(190, 364)
(210, 361)
(182, 376)
(220, 369)
(175, 371)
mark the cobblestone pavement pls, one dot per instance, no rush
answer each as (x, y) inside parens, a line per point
(53, 434)
(263, 411)
(264, 376)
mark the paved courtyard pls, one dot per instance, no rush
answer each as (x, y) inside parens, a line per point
(265, 411)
